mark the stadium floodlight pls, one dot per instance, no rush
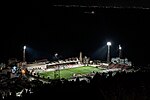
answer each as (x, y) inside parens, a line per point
(120, 47)
(120, 51)
(109, 43)
(108, 53)
(56, 54)
(24, 49)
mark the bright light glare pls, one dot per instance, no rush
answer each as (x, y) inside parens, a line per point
(24, 47)
(56, 54)
(108, 43)
(120, 47)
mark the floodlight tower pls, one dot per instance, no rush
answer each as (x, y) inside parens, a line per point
(57, 70)
(108, 53)
(24, 51)
(120, 48)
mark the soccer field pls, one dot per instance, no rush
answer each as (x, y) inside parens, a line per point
(68, 73)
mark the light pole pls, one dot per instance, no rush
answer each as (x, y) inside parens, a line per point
(120, 51)
(108, 53)
(57, 70)
(56, 54)
(24, 51)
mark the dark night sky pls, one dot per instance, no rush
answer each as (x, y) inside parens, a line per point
(68, 30)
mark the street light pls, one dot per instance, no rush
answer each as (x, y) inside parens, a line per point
(120, 51)
(24, 49)
(108, 53)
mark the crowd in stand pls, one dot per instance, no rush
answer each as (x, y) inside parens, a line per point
(103, 86)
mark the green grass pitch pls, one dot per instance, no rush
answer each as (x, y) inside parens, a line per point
(68, 73)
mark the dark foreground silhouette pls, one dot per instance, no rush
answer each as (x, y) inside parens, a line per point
(103, 86)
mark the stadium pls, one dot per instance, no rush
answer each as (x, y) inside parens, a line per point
(72, 68)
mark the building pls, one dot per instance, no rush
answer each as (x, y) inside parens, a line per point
(121, 61)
